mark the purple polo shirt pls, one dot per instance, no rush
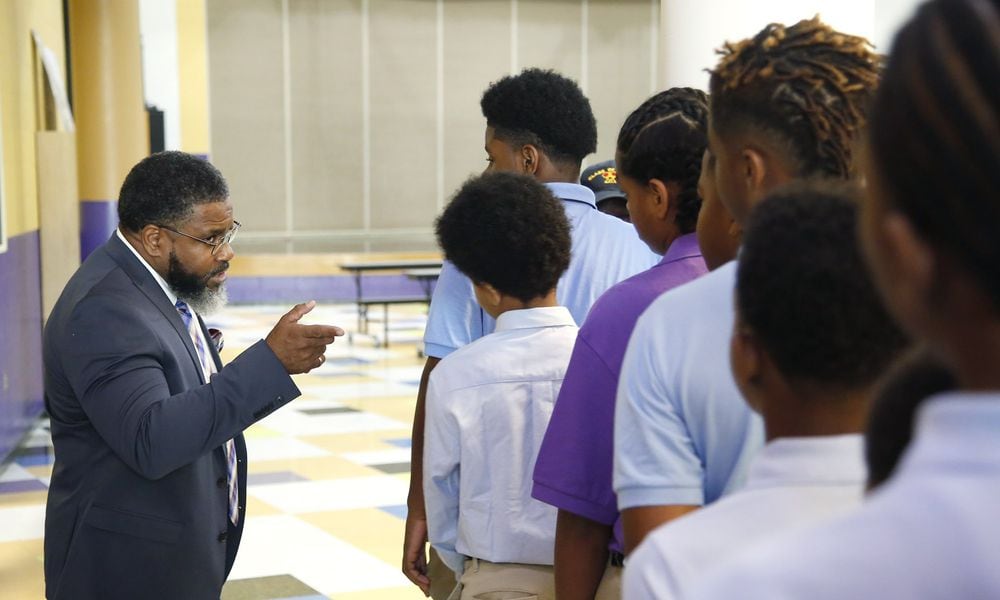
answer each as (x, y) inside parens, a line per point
(573, 470)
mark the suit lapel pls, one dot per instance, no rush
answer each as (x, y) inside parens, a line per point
(154, 293)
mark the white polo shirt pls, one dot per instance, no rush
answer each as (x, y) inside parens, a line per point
(488, 406)
(683, 434)
(605, 250)
(932, 532)
(792, 483)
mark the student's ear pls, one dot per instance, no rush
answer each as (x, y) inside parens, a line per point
(154, 240)
(910, 269)
(660, 197)
(529, 159)
(745, 358)
(488, 295)
(734, 230)
(754, 171)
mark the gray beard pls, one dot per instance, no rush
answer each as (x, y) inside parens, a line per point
(206, 301)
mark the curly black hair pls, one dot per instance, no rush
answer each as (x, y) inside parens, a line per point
(807, 86)
(935, 132)
(916, 377)
(508, 231)
(805, 293)
(164, 188)
(668, 146)
(679, 100)
(544, 109)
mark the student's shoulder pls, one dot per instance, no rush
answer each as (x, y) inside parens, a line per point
(701, 296)
(468, 364)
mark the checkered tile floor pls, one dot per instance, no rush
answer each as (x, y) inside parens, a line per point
(327, 482)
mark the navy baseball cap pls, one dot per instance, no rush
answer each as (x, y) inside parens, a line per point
(602, 178)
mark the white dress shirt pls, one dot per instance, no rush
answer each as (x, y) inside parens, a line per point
(792, 483)
(488, 405)
(931, 532)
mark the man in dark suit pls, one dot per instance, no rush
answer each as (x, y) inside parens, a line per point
(148, 490)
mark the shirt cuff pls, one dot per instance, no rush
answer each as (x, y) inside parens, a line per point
(660, 496)
(599, 513)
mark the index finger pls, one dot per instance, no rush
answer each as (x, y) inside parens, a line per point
(321, 331)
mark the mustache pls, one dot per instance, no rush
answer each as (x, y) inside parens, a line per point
(220, 269)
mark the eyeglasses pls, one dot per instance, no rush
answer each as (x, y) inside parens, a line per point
(226, 238)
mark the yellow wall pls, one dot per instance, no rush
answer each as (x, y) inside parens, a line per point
(192, 59)
(18, 114)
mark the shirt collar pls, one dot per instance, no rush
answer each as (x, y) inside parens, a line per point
(957, 428)
(686, 246)
(816, 460)
(159, 280)
(573, 192)
(534, 318)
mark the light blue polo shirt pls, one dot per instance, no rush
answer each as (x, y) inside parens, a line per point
(683, 433)
(606, 250)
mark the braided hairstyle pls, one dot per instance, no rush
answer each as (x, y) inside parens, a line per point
(683, 100)
(806, 86)
(665, 139)
(935, 132)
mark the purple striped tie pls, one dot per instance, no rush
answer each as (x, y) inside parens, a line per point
(207, 368)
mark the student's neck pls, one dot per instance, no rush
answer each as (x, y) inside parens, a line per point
(508, 303)
(549, 173)
(814, 414)
(973, 350)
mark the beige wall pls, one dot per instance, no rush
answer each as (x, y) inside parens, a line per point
(344, 125)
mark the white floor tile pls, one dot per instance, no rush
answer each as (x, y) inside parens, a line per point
(368, 389)
(14, 472)
(22, 523)
(277, 545)
(379, 457)
(337, 494)
(290, 422)
(269, 448)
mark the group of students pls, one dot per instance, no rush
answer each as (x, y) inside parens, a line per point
(814, 256)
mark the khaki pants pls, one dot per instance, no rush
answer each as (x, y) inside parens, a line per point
(611, 584)
(484, 580)
(443, 579)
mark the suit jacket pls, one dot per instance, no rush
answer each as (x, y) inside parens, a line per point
(137, 506)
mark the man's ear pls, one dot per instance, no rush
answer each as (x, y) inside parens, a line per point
(154, 240)
(530, 159)
(662, 200)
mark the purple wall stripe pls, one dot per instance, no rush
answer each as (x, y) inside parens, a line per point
(20, 340)
(98, 219)
(322, 288)
(21, 486)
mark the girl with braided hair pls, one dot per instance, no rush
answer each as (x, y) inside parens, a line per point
(659, 162)
(929, 229)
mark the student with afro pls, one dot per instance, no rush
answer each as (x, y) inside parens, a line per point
(489, 402)
(786, 104)
(809, 344)
(659, 162)
(538, 124)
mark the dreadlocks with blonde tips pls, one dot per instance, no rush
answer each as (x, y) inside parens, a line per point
(807, 84)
